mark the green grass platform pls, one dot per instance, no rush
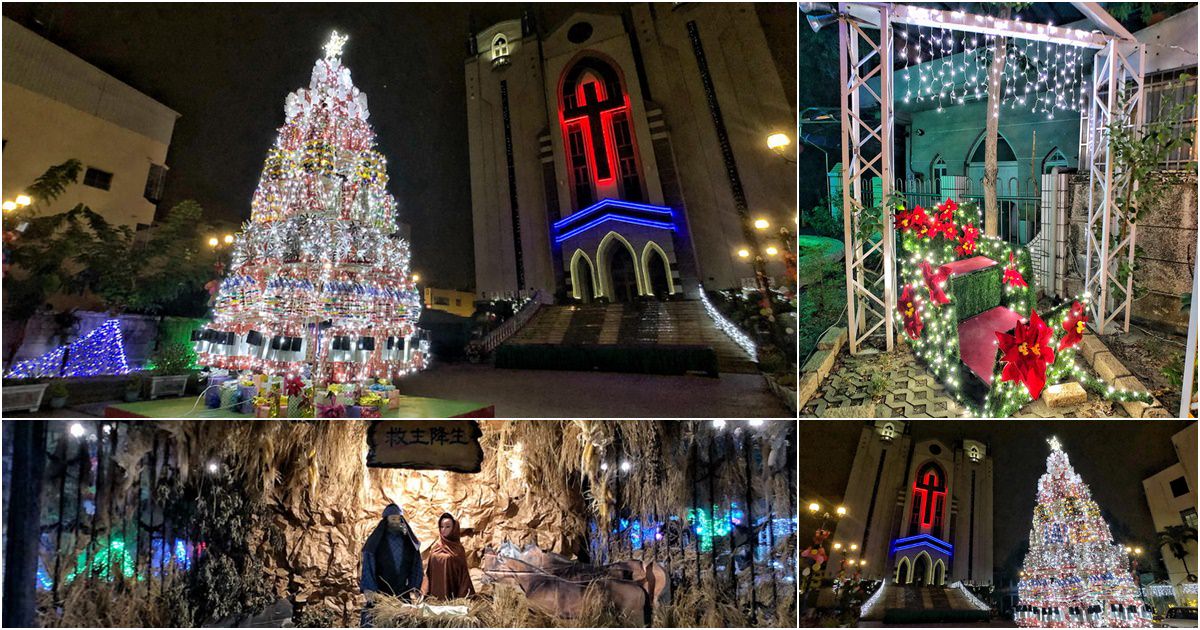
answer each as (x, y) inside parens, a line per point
(187, 407)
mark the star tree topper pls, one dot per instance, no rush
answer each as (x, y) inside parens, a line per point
(1054, 443)
(333, 48)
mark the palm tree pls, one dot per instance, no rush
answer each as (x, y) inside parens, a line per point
(1175, 538)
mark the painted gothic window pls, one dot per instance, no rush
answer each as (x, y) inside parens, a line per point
(598, 134)
(928, 501)
(499, 46)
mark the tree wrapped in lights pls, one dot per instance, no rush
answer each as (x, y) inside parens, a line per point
(319, 278)
(929, 310)
(1074, 575)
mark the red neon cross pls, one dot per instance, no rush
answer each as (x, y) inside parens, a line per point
(932, 493)
(595, 106)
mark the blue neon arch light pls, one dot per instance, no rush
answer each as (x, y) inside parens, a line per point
(923, 540)
(615, 210)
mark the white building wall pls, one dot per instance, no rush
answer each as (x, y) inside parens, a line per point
(1168, 509)
(58, 107)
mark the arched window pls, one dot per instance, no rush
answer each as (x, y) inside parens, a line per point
(499, 46)
(1054, 159)
(937, 170)
(973, 453)
(887, 432)
(598, 134)
(928, 500)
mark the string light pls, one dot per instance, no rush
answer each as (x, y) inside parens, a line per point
(1041, 76)
(729, 328)
(100, 352)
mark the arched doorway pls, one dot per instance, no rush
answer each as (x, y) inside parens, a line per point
(939, 573)
(921, 570)
(657, 271)
(623, 275)
(903, 571)
(582, 275)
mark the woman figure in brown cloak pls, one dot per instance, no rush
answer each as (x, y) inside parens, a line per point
(446, 574)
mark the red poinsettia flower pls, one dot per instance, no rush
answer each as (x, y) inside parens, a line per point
(966, 243)
(1026, 354)
(949, 206)
(1075, 323)
(935, 281)
(909, 311)
(913, 219)
(1011, 275)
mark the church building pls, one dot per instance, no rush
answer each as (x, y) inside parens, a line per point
(611, 153)
(919, 512)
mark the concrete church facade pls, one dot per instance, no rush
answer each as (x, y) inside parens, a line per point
(919, 512)
(610, 152)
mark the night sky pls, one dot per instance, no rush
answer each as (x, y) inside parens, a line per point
(227, 68)
(1112, 456)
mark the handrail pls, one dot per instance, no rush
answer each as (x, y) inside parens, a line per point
(502, 332)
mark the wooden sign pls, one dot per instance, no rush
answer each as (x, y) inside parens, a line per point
(425, 445)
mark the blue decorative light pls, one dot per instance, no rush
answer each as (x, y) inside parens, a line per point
(99, 352)
(613, 203)
(923, 540)
(614, 217)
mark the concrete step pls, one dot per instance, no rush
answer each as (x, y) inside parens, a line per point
(667, 323)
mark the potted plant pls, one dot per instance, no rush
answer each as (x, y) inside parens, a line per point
(58, 394)
(172, 364)
(133, 388)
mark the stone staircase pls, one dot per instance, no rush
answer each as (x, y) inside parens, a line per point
(910, 597)
(678, 323)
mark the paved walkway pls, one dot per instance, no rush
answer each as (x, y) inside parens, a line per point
(908, 390)
(551, 394)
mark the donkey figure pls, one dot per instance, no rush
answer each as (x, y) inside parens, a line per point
(556, 584)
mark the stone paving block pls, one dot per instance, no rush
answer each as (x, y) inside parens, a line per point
(1064, 395)
(832, 339)
(821, 361)
(1109, 367)
(855, 411)
(1090, 346)
(1137, 409)
(809, 383)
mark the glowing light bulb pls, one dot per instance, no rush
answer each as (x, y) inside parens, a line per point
(77, 430)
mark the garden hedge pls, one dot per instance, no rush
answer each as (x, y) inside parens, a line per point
(976, 292)
(641, 359)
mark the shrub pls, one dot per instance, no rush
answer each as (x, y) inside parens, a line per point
(173, 358)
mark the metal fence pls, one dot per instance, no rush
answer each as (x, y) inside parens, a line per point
(1163, 92)
(1019, 203)
(739, 534)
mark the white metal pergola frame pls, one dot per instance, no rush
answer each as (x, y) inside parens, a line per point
(1119, 63)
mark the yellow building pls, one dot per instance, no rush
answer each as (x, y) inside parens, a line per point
(58, 107)
(461, 303)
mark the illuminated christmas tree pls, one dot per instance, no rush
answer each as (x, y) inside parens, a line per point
(1074, 576)
(319, 280)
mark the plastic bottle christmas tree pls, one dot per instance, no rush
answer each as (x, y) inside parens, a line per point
(319, 280)
(1074, 576)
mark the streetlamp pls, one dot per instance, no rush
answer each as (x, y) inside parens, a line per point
(1134, 554)
(811, 576)
(779, 143)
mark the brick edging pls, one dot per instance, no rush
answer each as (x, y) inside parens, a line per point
(1109, 367)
